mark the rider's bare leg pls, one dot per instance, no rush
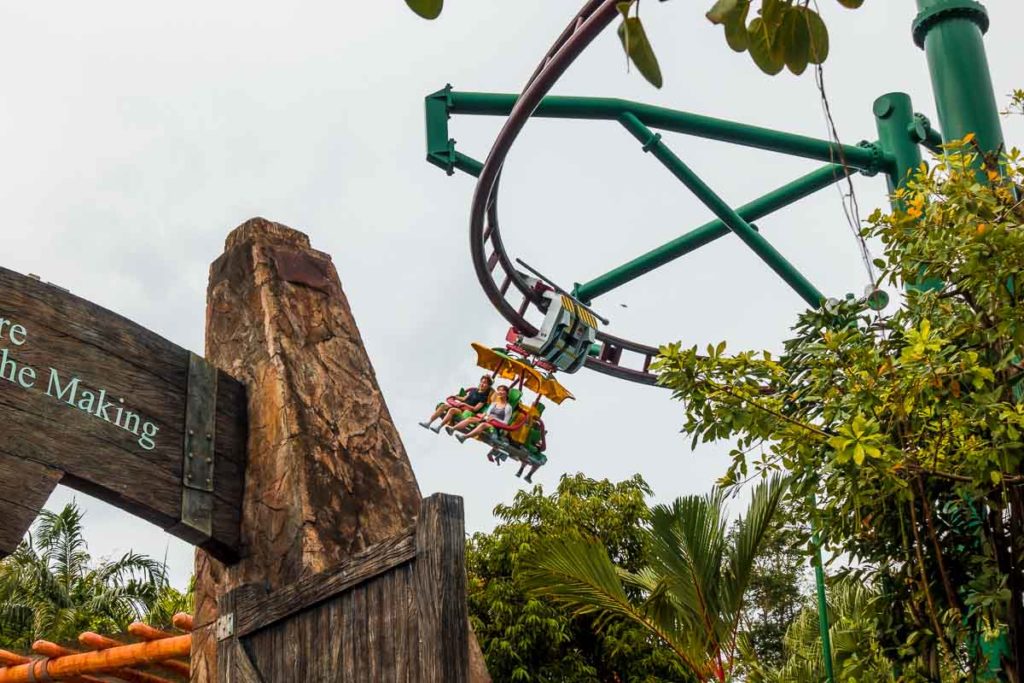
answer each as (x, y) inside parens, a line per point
(437, 413)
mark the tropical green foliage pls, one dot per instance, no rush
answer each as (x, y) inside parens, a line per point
(854, 611)
(778, 34)
(690, 592)
(1016, 102)
(528, 638)
(170, 601)
(776, 592)
(907, 426)
(50, 588)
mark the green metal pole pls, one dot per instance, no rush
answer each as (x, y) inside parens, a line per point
(823, 626)
(698, 237)
(662, 118)
(951, 33)
(897, 125)
(652, 143)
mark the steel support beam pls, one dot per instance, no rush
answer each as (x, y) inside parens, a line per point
(698, 237)
(897, 127)
(951, 32)
(612, 109)
(652, 143)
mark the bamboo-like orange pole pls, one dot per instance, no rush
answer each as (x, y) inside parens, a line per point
(9, 658)
(147, 632)
(183, 621)
(45, 647)
(12, 659)
(98, 662)
(95, 641)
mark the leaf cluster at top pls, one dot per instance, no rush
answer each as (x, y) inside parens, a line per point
(778, 34)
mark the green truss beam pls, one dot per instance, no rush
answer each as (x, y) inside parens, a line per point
(698, 237)
(446, 102)
(652, 143)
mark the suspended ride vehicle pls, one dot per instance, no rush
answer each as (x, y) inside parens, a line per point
(567, 336)
(524, 437)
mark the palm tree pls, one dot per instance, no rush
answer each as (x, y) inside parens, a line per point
(49, 587)
(171, 601)
(690, 593)
(855, 609)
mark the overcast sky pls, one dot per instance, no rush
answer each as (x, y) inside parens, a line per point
(136, 135)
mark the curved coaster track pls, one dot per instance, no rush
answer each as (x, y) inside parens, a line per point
(515, 295)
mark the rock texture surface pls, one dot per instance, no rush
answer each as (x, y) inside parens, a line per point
(327, 473)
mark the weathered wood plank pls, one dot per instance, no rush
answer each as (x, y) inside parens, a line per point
(24, 488)
(234, 665)
(349, 654)
(440, 569)
(376, 639)
(90, 393)
(406, 634)
(254, 611)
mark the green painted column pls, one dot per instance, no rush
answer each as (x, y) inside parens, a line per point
(894, 119)
(951, 33)
(823, 625)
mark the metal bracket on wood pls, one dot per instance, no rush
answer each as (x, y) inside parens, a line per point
(225, 626)
(200, 436)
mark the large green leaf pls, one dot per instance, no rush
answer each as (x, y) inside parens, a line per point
(768, 58)
(795, 41)
(818, 32)
(735, 24)
(721, 10)
(772, 12)
(851, 4)
(638, 48)
(428, 9)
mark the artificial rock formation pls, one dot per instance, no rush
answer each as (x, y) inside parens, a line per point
(327, 473)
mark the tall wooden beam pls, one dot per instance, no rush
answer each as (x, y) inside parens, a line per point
(327, 473)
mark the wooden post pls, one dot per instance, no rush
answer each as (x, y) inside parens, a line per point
(327, 473)
(24, 488)
(441, 590)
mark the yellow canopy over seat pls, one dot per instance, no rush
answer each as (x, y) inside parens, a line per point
(513, 369)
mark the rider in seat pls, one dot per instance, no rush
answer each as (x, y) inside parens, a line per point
(466, 404)
(500, 411)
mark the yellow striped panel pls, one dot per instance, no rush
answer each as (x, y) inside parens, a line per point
(586, 316)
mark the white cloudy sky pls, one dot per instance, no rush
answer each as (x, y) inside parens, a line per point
(136, 135)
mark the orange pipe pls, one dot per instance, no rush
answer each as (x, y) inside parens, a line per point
(94, 641)
(11, 659)
(98, 662)
(183, 622)
(44, 647)
(147, 632)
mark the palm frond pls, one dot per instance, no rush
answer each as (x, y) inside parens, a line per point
(688, 540)
(751, 530)
(579, 575)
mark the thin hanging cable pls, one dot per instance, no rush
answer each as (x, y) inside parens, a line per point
(849, 197)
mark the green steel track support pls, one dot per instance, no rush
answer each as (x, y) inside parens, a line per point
(440, 148)
(698, 237)
(612, 109)
(898, 135)
(895, 154)
(951, 32)
(652, 143)
(823, 625)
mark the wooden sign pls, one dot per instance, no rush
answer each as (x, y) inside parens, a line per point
(94, 401)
